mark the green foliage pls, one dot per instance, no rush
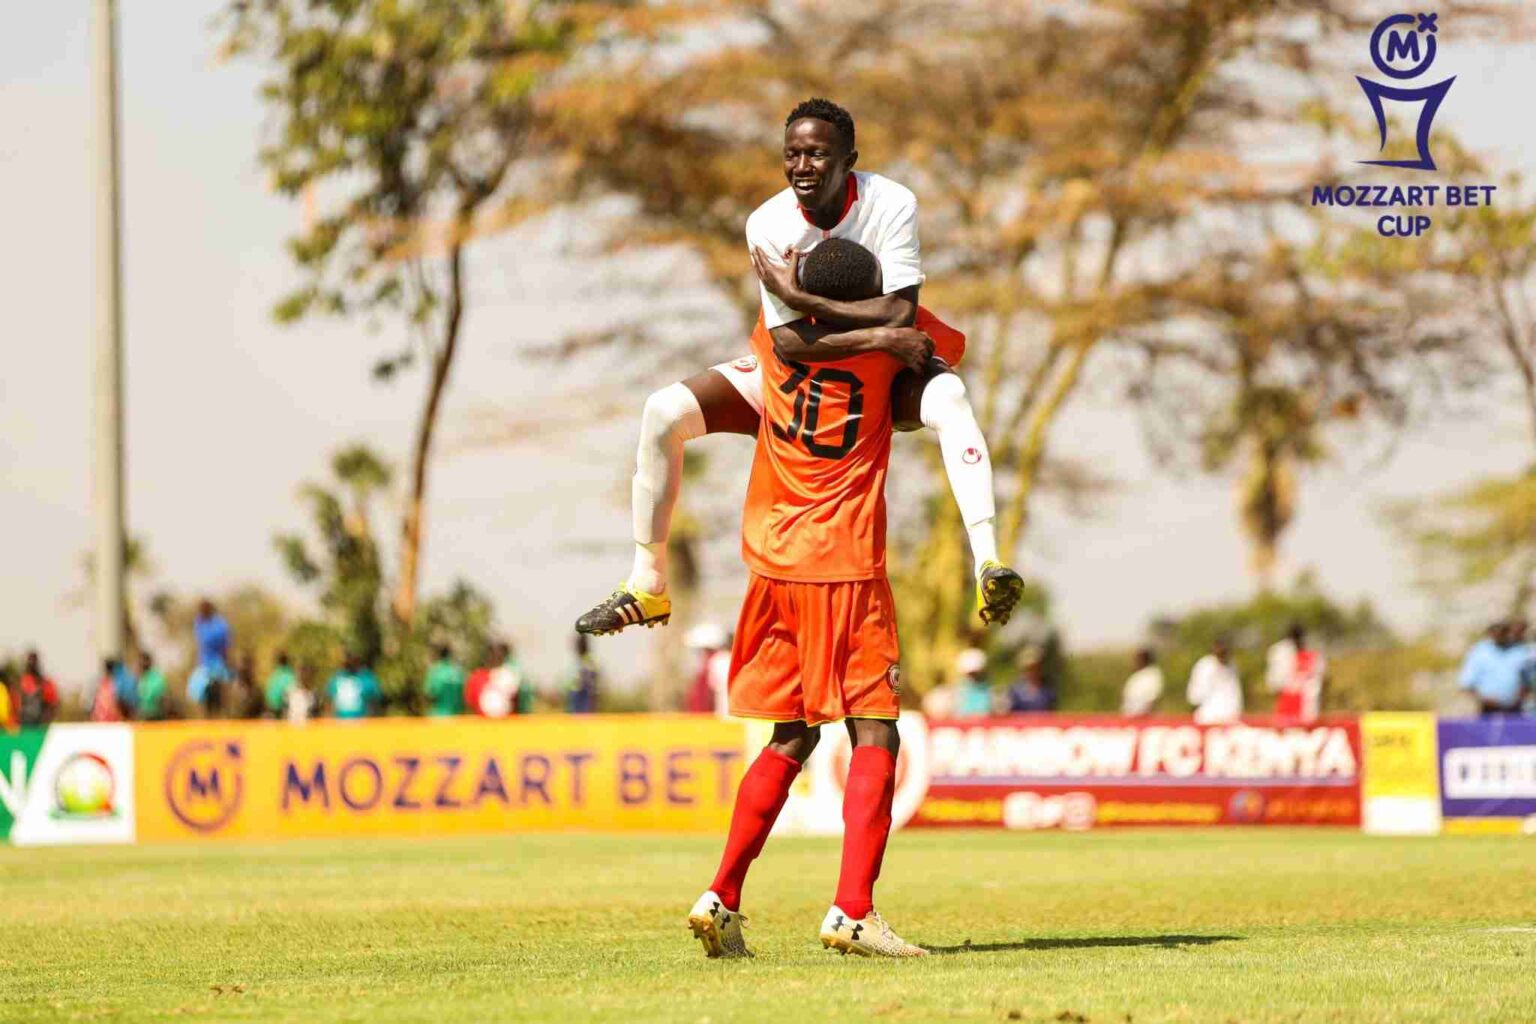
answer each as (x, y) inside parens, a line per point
(1368, 667)
(343, 567)
(1479, 542)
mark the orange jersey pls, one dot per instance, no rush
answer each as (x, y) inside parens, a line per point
(815, 509)
(948, 343)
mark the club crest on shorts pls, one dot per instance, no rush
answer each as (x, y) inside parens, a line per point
(893, 679)
(971, 456)
(746, 364)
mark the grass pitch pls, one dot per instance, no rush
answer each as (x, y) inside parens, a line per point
(1106, 927)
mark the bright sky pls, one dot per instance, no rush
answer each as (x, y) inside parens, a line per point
(228, 414)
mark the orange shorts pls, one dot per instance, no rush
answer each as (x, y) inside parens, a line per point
(816, 652)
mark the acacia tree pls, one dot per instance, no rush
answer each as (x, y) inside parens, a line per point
(406, 123)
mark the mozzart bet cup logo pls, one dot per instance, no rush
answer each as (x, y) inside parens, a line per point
(1403, 47)
(1406, 39)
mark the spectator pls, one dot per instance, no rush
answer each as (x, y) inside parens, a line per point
(1294, 673)
(126, 685)
(152, 689)
(354, 692)
(508, 690)
(973, 690)
(1496, 670)
(299, 700)
(105, 707)
(707, 694)
(281, 680)
(1143, 687)
(444, 685)
(1214, 687)
(1030, 694)
(37, 699)
(581, 695)
(479, 679)
(7, 705)
(205, 686)
(244, 699)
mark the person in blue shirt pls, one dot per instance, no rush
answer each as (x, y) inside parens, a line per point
(353, 692)
(973, 691)
(126, 686)
(211, 632)
(1497, 670)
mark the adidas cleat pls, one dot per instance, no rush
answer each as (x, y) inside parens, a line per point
(624, 608)
(868, 937)
(998, 590)
(717, 928)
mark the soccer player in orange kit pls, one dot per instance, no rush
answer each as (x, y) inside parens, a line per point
(816, 640)
(827, 198)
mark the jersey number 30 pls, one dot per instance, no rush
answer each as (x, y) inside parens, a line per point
(807, 416)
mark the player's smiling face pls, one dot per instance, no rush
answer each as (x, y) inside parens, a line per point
(816, 162)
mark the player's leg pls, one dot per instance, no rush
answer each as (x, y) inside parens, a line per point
(849, 658)
(764, 684)
(937, 399)
(706, 403)
(853, 925)
(716, 917)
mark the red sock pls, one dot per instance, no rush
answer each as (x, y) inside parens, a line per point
(759, 799)
(866, 826)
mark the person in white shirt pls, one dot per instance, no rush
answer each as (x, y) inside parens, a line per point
(1143, 687)
(1294, 673)
(1214, 687)
(826, 198)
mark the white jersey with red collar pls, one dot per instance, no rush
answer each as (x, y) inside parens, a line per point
(880, 215)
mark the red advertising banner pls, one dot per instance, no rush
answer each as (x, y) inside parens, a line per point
(1078, 772)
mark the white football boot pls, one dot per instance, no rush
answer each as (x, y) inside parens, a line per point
(868, 937)
(717, 928)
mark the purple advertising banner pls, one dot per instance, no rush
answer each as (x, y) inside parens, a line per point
(1488, 767)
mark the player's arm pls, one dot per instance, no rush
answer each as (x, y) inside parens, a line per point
(804, 342)
(782, 280)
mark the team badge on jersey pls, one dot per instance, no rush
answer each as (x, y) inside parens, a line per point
(971, 456)
(746, 364)
(893, 679)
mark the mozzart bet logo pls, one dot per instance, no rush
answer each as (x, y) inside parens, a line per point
(1403, 47)
(1166, 753)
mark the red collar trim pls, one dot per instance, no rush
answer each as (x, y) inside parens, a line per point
(848, 201)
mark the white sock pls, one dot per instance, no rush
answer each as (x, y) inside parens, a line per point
(672, 416)
(983, 543)
(967, 462)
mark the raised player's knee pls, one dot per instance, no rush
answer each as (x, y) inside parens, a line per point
(671, 413)
(944, 399)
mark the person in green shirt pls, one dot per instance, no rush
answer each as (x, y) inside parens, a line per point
(279, 683)
(151, 689)
(445, 685)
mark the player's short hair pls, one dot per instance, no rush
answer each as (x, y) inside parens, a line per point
(842, 270)
(824, 110)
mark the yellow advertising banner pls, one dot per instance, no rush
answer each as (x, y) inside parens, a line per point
(1400, 780)
(435, 776)
(1401, 752)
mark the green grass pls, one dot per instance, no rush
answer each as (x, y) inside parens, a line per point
(1148, 926)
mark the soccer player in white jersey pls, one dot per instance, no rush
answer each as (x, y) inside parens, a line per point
(826, 198)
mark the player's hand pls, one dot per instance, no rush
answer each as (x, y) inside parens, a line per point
(781, 280)
(908, 344)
